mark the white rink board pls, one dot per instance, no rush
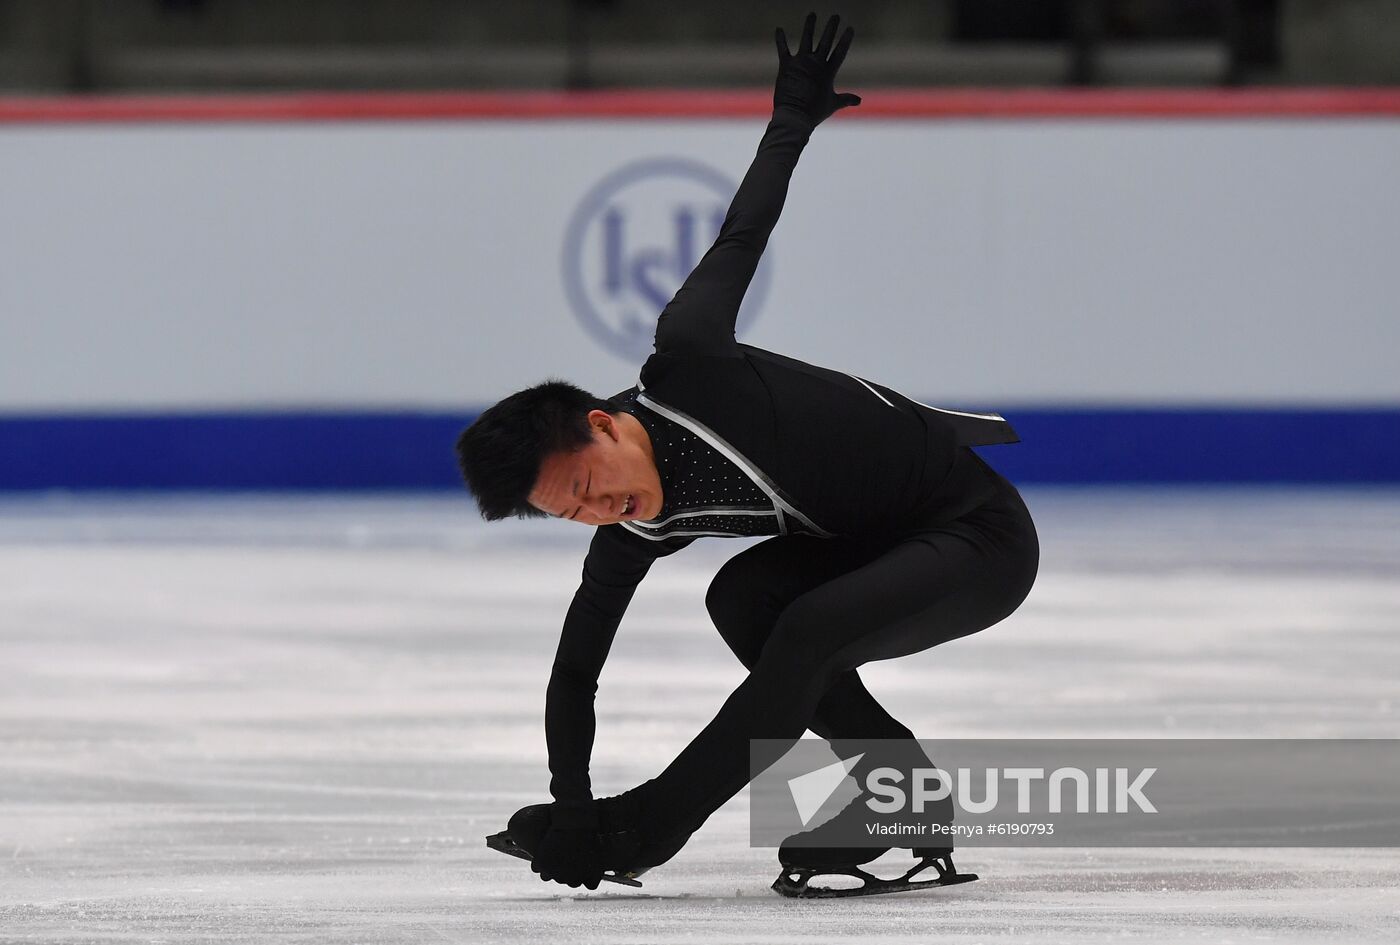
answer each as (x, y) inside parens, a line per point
(420, 264)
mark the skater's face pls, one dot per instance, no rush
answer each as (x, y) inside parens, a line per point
(612, 479)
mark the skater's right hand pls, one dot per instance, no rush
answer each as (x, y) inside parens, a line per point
(570, 855)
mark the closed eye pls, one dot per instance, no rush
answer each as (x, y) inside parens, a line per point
(585, 495)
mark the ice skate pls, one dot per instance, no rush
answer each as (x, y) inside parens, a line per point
(524, 832)
(819, 849)
(626, 854)
(818, 852)
(795, 879)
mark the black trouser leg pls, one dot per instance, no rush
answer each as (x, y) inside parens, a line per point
(753, 588)
(745, 600)
(855, 602)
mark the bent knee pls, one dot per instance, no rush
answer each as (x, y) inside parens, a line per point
(735, 605)
(798, 647)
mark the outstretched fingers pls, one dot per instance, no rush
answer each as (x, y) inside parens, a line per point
(828, 34)
(839, 56)
(808, 28)
(806, 76)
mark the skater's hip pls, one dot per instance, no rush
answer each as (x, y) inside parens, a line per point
(998, 525)
(985, 498)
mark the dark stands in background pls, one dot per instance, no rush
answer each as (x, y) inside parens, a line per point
(216, 45)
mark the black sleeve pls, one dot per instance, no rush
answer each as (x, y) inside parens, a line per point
(699, 320)
(616, 562)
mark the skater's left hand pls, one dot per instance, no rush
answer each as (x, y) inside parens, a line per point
(806, 78)
(570, 855)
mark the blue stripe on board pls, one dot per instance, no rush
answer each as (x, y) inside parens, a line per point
(401, 450)
(231, 451)
(1215, 445)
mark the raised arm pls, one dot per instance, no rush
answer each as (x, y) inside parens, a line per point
(699, 320)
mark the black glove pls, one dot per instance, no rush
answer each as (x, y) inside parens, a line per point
(570, 855)
(806, 79)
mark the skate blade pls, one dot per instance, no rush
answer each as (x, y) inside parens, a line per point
(502, 843)
(795, 884)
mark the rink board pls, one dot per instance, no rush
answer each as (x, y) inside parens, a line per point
(1154, 286)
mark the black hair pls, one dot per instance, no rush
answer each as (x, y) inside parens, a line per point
(500, 454)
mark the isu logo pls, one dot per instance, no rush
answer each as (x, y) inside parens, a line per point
(632, 241)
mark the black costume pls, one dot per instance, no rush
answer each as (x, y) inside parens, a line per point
(846, 471)
(891, 534)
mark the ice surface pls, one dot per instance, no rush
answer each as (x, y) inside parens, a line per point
(294, 719)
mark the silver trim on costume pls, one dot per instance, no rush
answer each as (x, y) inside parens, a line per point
(781, 506)
(632, 527)
(648, 523)
(957, 413)
(871, 389)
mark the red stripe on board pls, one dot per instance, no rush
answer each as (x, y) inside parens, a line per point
(879, 103)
